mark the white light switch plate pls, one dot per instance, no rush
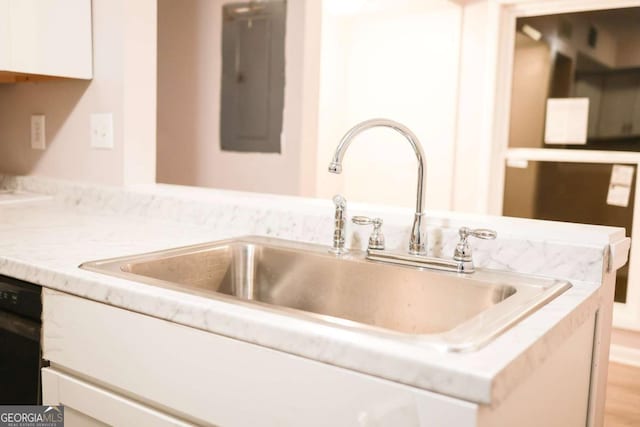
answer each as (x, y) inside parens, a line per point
(102, 130)
(38, 141)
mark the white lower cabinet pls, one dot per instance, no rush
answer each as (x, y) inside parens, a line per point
(116, 367)
(208, 379)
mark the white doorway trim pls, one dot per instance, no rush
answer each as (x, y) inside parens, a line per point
(501, 40)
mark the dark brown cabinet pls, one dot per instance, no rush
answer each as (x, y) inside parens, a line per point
(614, 103)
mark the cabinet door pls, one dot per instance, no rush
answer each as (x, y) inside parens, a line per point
(591, 87)
(618, 102)
(5, 45)
(89, 405)
(635, 119)
(223, 381)
(51, 37)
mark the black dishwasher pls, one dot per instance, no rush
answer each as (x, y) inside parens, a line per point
(20, 331)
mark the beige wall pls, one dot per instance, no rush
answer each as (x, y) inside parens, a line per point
(123, 32)
(369, 70)
(139, 91)
(189, 74)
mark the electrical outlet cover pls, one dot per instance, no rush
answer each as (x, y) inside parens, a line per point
(38, 141)
(102, 130)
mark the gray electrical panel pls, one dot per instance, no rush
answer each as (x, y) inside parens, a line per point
(252, 93)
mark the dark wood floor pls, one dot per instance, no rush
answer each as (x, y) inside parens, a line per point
(623, 396)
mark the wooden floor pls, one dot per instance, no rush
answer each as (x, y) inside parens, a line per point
(623, 396)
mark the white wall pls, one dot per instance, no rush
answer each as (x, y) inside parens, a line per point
(398, 62)
(189, 74)
(473, 149)
(123, 84)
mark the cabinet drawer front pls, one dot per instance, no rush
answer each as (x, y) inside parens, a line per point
(86, 404)
(207, 378)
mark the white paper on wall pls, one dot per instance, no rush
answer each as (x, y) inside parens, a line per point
(517, 163)
(618, 195)
(620, 185)
(622, 174)
(567, 121)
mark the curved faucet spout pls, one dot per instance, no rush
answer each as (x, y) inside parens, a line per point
(416, 245)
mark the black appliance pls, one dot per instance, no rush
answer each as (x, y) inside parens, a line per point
(20, 334)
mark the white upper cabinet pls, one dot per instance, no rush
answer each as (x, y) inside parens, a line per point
(45, 38)
(5, 31)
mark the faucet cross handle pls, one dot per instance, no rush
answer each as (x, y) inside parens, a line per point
(463, 250)
(376, 240)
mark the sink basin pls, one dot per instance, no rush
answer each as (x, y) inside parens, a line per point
(450, 310)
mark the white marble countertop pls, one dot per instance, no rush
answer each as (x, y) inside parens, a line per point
(13, 196)
(44, 241)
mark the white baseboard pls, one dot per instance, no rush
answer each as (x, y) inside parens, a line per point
(625, 355)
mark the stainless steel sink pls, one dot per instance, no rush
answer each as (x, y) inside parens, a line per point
(449, 310)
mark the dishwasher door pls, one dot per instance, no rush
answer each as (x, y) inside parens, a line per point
(20, 334)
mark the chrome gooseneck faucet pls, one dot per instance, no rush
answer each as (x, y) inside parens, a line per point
(462, 261)
(416, 244)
